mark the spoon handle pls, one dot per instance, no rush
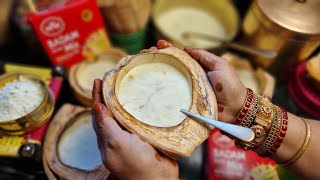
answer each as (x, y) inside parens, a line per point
(251, 50)
(243, 133)
(234, 45)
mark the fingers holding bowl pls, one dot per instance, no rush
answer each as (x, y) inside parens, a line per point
(97, 92)
(161, 44)
(207, 59)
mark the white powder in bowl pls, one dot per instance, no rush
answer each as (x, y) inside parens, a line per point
(19, 97)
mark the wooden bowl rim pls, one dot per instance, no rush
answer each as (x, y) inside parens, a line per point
(82, 95)
(54, 132)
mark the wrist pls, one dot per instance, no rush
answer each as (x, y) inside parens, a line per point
(292, 150)
(238, 104)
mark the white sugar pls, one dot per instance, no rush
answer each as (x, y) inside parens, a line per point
(19, 97)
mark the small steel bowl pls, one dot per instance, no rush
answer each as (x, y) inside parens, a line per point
(35, 118)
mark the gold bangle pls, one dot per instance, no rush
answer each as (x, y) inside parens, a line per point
(303, 147)
(266, 145)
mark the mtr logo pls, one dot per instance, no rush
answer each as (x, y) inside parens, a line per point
(52, 26)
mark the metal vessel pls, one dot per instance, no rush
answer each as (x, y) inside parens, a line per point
(289, 27)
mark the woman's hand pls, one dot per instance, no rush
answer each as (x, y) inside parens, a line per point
(125, 155)
(229, 90)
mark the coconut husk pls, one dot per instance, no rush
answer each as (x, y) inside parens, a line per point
(126, 16)
(180, 140)
(54, 166)
(84, 95)
(265, 81)
(47, 170)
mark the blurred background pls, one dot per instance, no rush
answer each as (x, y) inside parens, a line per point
(273, 45)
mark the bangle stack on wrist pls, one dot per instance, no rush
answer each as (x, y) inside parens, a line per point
(268, 122)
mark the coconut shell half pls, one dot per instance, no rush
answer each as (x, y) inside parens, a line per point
(70, 146)
(260, 81)
(82, 75)
(177, 139)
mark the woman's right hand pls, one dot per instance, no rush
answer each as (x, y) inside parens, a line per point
(229, 90)
(124, 154)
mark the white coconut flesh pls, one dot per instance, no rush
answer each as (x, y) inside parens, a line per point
(78, 146)
(89, 71)
(248, 79)
(153, 89)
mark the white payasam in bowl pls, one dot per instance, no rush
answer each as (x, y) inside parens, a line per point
(88, 71)
(145, 92)
(25, 103)
(155, 92)
(82, 75)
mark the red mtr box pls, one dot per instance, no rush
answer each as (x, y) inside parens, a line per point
(226, 161)
(72, 32)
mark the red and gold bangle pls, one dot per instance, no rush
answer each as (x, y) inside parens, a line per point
(247, 119)
(282, 131)
(252, 113)
(264, 114)
(276, 134)
(244, 112)
(264, 149)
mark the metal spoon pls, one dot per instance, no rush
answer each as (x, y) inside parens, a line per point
(243, 133)
(234, 45)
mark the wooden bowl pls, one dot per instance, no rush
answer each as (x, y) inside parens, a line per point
(47, 170)
(170, 131)
(70, 147)
(82, 75)
(260, 81)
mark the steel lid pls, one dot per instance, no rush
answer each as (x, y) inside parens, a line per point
(301, 16)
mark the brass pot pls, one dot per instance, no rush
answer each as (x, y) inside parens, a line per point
(289, 27)
(34, 119)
